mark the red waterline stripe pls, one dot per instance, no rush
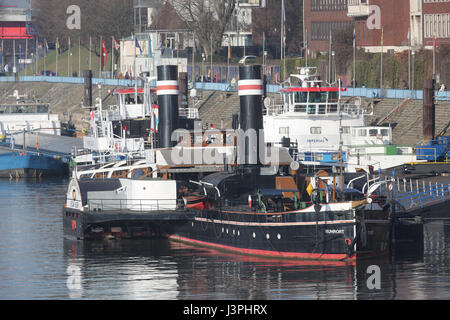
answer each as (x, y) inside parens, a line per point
(250, 87)
(168, 87)
(267, 253)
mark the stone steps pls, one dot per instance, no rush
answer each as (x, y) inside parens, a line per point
(406, 122)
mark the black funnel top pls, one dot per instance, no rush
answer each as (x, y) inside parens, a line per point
(167, 91)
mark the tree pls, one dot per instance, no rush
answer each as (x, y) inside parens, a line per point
(208, 19)
(100, 18)
(268, 21)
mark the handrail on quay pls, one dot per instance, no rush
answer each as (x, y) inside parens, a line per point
(371, 93)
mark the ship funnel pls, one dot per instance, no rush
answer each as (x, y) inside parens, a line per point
(250, 87)
(167, 92)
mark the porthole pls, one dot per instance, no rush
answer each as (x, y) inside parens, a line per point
(279, 236)
(254, 235)
(267, 236)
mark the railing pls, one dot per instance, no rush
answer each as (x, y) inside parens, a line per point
(226, 87)
(138, 205)
(423, 194)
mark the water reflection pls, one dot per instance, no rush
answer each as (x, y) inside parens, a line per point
(160, 269)
(36, 262)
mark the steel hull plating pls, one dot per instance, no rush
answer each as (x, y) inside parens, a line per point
(339, 237)
(30, 165)
(342, 236)
(84, 225)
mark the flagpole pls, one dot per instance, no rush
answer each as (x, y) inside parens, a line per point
(45, 56)
(283, 58)
(90, 52)
(79, 56)
(57, 53)
(229, 54)
(434, 56)
(354, 58)
(134, 76)
(306, 48)
(36, 57)
(381, 67)
(112, 57)
(26, 54)
(100, 62)
(329, 59)
(14, 55)
(264, 50)
(68, 59)
(409, 59)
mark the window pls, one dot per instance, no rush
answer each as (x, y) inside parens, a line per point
(311, 109)
(315, 130)
(322, 108)
(373, 132)
(300, 108)
(284, 130)
(332, 108)
(300, 97)
(384, 132)
(346, 130)
(362, 132)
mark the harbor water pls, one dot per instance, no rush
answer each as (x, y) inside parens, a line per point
(37, 262)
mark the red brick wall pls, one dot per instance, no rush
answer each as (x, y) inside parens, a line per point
(435, 8)
(321, 16)
(394, 20)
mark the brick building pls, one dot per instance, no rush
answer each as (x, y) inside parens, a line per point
(321, 18)
(436, 22)
(401, 22)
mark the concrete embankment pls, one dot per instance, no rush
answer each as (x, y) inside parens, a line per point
(218, 107)
(64, 99)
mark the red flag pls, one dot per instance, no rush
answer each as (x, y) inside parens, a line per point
(116, 44)
(435, 44)
(104, 53)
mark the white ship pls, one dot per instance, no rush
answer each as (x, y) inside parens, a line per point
(316, 121)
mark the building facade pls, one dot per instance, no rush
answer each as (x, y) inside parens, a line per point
(380, 25)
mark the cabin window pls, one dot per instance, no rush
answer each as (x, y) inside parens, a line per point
(300, 108)
(315, 130)
(42, 109)
(332, 108)
(315, 97)
(318, 156)
(333, 97)
(335, 156)
(284, 130)
(300, 97)
(322, 108)
(311, 109)
(384, 132)
(346, 130)
(373, 132)
(362, 132)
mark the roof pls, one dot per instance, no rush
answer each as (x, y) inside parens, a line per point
(167, 19)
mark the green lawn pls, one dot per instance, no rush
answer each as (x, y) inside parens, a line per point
(65, 66)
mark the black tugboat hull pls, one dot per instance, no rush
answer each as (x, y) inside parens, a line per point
(341, 237)
(87, 225)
